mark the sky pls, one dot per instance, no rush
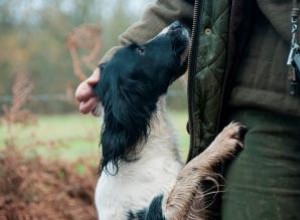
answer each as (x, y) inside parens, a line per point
(23, 8)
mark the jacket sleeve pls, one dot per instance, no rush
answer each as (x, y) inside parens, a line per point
(156, 16)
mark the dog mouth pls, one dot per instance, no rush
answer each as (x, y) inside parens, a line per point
(180, 38)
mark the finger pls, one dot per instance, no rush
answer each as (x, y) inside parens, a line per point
(88, 106)
(94, 78)
(84, 92)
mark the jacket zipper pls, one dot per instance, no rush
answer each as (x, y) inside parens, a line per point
(192, 66)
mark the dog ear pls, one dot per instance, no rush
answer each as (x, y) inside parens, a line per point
(128, 110)
(97, 88)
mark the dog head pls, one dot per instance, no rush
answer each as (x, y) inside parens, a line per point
(130, 86)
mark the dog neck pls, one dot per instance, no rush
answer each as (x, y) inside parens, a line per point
(153, 168)
(161, 141)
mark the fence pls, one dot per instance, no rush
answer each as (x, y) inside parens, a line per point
(64, 103)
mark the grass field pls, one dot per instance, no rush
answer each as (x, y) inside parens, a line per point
(72, 136)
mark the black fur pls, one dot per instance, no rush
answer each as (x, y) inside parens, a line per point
(129, 88)
(153, 212)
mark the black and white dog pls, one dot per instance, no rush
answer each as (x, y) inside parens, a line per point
(142, 175)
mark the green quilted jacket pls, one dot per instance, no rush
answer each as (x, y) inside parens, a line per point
(220, 31)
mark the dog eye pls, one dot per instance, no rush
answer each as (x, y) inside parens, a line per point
(140, 50)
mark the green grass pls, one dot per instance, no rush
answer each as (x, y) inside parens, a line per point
(72, 136)
(179, 120)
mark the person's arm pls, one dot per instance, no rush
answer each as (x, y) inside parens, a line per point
(157, 16)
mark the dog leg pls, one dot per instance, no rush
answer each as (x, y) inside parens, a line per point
(179, 202)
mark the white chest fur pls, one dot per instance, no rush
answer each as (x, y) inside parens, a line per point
(138, 182)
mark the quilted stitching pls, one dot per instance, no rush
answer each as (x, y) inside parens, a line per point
(210, 71)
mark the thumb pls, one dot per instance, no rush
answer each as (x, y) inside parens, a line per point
(94, 78)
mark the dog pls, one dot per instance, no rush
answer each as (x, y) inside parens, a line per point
(142, 175)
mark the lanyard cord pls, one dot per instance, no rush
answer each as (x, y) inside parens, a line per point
(295, 48)
(294, 22)
(294, 29)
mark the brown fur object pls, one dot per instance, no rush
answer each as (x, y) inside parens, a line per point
(186, 199)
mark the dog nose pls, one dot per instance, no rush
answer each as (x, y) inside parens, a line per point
(175, 25)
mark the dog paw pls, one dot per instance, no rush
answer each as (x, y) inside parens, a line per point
(229, 140)
(234, 131)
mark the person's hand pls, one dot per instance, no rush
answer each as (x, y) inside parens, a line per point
(88, 102)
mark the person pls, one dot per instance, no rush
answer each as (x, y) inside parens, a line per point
(237, 71)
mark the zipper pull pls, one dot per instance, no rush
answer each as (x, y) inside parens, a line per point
(293, 60)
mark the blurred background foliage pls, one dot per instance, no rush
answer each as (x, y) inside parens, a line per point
(49, 151)
(46, 48)
(34, 41)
